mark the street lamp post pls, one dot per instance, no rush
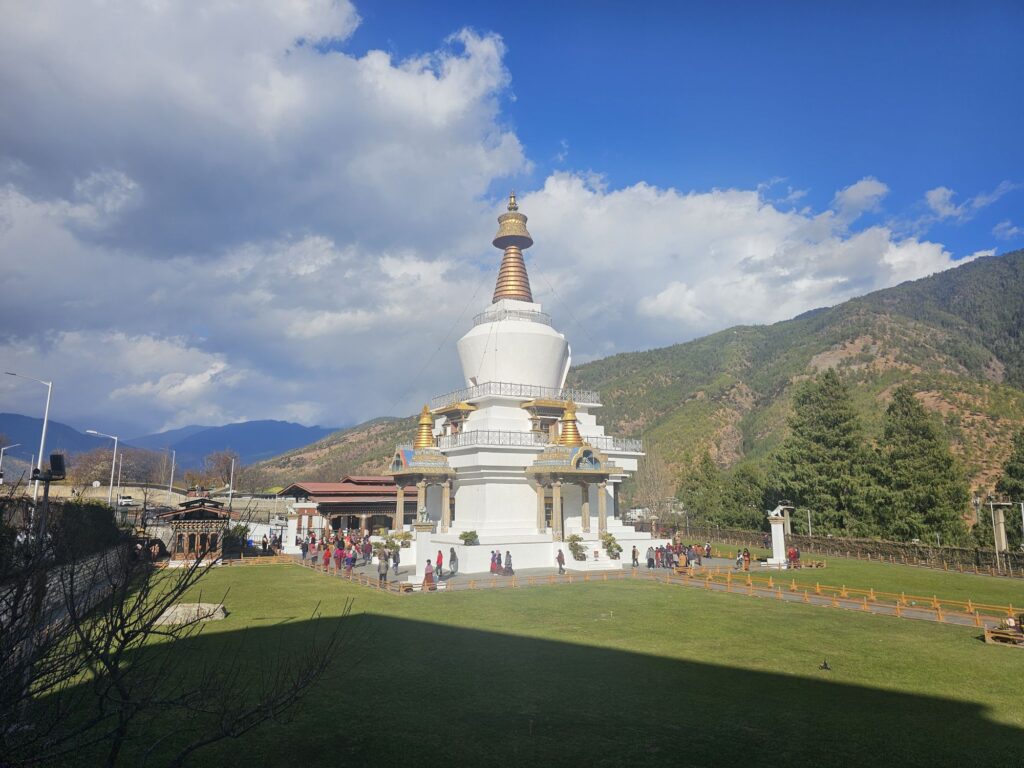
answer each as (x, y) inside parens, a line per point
(170, 483)
(113, 461)
(5, 448)
(46, 420)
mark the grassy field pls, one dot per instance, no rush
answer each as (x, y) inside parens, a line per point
(613, 673)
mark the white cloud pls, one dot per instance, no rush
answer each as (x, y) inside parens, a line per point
(242, 224)
(1007, 230)
(644, 266)
(940, 201)
(859, 198)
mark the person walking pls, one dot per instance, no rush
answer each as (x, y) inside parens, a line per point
(636, 556)
(438, 568)
(560, 559)
(650, 557)
(395, 560)
(382, 568)
(453, 562)
(305, 550)
(428, 578)
(508, 564)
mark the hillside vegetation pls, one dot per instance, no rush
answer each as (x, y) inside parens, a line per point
(954, 338)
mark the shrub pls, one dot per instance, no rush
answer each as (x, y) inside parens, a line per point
(611, 546)
(575, 542)
(469, 538)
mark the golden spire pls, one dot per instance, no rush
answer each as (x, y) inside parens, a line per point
(570, 434)
(425, 431)
(513, 282)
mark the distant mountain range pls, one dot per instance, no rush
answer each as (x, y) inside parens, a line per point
(956, 337)
(253, 441)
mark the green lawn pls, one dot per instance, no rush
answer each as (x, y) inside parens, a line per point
(616, 673)
(884, 577)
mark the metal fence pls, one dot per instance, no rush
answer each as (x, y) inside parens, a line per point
(512, 314)
(966, 559)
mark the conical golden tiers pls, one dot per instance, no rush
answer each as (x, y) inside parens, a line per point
(513, 237)
(513, 282)
(570, 434)
(424, 431)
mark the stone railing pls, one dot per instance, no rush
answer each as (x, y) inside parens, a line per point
(512, 314)
(500, 437)
(523, 391)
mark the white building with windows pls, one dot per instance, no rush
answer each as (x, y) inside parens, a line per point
(515, 455)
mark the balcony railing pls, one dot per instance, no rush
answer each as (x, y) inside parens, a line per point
(524, 391)
(512, 314)
(507, 438)
(495, 437)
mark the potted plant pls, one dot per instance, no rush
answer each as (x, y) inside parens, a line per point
(469, 538)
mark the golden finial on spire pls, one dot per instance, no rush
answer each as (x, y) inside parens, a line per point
(424, 431)
(513, 238)
(570, 434)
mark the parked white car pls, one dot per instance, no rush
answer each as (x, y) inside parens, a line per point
(127, 501)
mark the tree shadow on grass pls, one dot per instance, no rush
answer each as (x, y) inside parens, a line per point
(412, 693)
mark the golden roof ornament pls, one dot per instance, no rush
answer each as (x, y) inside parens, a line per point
(570, 434)
(513, 238)
(424, 431)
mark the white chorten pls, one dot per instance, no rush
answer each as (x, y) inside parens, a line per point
(527, 463)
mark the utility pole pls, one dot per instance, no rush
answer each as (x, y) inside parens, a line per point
(46, 420)
(113, 461)
(231, 486)
(170, 483)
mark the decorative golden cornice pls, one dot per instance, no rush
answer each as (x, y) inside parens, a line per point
(424, 431)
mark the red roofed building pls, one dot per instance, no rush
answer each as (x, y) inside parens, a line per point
(359, 502)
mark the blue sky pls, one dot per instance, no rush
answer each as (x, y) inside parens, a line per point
(283, 208)
(700, 95)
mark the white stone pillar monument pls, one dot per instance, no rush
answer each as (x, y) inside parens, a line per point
(778, 523)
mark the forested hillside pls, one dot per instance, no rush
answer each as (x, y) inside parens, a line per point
(954, 338)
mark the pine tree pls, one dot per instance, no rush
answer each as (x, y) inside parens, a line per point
(1011, 487)
(925, 489)
(823, 464)
(702, 492)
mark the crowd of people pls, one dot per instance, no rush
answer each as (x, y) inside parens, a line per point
(499, 568)
(339, 549)
(673, 555)
(345, 549)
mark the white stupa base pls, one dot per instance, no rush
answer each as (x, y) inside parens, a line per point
(528, 551)
(777, 564)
